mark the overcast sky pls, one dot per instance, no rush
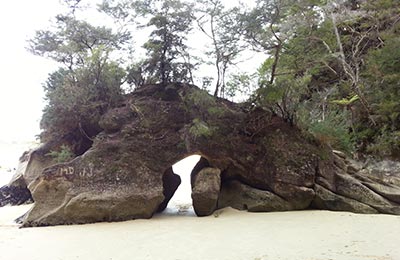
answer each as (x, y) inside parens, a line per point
(22, 74)
(21, 95)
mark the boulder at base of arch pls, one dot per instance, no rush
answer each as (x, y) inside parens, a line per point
(205, 191)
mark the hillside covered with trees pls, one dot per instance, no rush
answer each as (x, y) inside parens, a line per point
(333, 67)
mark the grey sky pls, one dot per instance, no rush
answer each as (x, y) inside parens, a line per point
(22, 74)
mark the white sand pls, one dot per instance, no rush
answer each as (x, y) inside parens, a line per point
(303, 235)
(229, 234)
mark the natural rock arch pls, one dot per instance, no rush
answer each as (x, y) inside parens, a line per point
(263, 164)
(205, 184)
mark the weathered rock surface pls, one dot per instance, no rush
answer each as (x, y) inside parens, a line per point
(31, 165)
(251, 160)
(16, 191)
(243, 197)
(205, 191)
(326, 199)
(15, 194)
(343, 185)
(171, 182)
(37, 162)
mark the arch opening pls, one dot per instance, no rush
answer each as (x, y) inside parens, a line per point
(180, 202)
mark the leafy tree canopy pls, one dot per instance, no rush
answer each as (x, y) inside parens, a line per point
(330, 63)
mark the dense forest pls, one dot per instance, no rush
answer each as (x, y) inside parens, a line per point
(332, 66)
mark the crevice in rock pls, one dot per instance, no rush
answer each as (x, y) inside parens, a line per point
(240, 196)
(179, 176)
(203, 163)
(328, 200)
(393, 197)
(171, 182)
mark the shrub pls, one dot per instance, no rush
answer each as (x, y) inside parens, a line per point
(334, 131)
(77, 99)
(200, 129)
(65, 154)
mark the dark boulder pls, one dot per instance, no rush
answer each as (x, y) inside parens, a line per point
(171, 182)
(205, 191)
(15, 193)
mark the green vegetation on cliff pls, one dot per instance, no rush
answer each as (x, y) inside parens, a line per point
(333, 67)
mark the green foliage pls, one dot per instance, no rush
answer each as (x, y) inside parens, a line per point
(386, 144)
(385, 62)
(73, 39)
(200, 129)
(321, 59)
(312, 77)
(167, 57)
(77, 99)
(203, 104)
(346, 101)
(220, 26)
(216, 111)
(382, 76)
(241, 83)
(88, 83)
(334, 131)
(200, 99)
(271, 94)
(65, 154)
(283, 97)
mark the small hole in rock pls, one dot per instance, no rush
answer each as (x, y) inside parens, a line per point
(181, 202)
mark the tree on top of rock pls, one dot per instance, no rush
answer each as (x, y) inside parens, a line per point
(218, 24)
(87, 83)
(72, 40)
(167, 58)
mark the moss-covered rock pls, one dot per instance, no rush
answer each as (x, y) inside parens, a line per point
(263, 164)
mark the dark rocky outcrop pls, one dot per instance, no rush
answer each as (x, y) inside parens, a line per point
(205, 191)
(251, 160)
(171, 182)
(16, 191)
(343, 184)
(31, 165)
(15, 194)
(243, 197)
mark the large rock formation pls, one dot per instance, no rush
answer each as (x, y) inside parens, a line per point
(251, 160)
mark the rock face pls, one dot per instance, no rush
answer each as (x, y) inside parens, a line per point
(171, 182)
(31, 165)
(243, 197)
(205, 191)
(341, 184)
(251, 160)
(17, 192)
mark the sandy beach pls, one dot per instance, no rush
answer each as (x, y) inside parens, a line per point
(228, 234)
(177, 234)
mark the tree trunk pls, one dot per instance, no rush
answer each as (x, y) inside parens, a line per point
(275, 64)
(352, 73)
